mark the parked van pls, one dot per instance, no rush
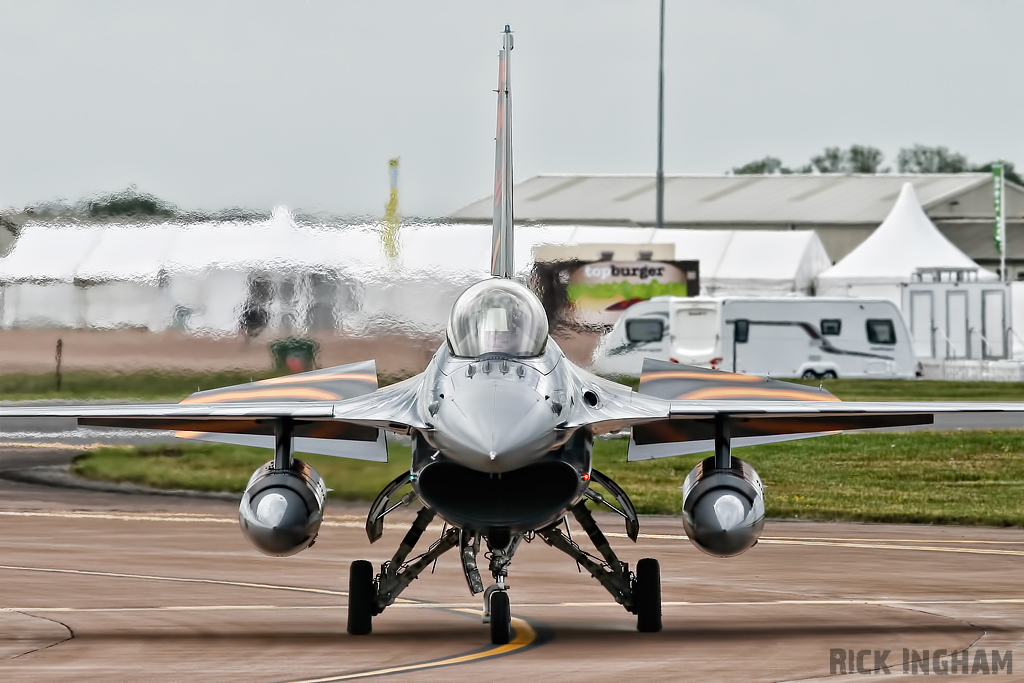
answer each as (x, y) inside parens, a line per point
(793, 337)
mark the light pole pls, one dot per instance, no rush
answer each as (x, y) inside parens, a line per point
(660, 191)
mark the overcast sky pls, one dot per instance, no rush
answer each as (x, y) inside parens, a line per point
(253, 104)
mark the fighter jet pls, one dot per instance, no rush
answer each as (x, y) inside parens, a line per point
(502, 427)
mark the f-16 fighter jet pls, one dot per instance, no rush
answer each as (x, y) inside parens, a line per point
(502, 428)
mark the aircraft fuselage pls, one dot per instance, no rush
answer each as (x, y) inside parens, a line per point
(497, 454)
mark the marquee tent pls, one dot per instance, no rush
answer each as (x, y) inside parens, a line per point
(204, 276)
(905, 242)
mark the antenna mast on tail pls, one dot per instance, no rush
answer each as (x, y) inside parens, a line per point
(501, 239)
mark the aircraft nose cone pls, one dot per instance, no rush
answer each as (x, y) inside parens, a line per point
(494, 426)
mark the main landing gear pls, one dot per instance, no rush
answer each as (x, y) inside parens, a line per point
(639, 592)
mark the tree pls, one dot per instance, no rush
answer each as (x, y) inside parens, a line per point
(1008, 171)
(864, 159)
(832, 160)
(766, 166)
(129, 202)
(857, 159)
(924, 159)
(867, 159)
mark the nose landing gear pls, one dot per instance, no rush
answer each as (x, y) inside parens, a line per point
(497, 609)
(500, 616)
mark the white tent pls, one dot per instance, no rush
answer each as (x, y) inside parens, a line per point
(200, 276)
(38, 284)
(751, 262)
(906, 241)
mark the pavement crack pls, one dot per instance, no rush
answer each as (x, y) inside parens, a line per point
(71, 633)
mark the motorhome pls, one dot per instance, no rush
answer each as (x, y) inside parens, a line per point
(804, 337)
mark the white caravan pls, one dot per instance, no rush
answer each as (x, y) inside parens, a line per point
(792, 337)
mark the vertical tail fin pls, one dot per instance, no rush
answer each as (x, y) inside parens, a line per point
(501, 238)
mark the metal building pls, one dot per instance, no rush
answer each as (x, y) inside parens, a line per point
(842, 208)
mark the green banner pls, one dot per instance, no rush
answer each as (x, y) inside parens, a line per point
(998, 187)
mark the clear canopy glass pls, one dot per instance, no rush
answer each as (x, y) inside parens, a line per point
(497, 316)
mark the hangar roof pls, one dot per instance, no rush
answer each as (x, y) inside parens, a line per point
(730, 199)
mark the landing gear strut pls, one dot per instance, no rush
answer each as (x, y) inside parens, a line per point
(497, 610)
(640, 593)
(371, 595)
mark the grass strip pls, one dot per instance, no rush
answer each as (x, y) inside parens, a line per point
(965, 477)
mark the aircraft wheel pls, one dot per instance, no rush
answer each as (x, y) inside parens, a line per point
(362, 596)
(809, 374)
(830, 374)
(647, 596)
(501, 618)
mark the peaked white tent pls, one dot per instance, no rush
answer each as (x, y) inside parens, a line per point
(906, 241)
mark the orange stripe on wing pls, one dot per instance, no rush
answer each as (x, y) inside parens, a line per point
(745, 392)
(709, 376)
(182, 434)
(299, 379)
(288, 393)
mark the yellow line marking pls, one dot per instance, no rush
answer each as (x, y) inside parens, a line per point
(525, 635)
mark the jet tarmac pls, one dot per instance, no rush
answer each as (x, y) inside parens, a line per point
(102, 585)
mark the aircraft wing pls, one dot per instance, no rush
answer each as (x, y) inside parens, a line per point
(690, 426)
(678, 408)
(246, 414)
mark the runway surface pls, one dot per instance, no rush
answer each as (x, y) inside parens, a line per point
(101, 586)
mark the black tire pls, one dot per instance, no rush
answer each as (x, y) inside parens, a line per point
(809, 374)
(830, 374)
(362, 598)
(501, 618)
(647, 596)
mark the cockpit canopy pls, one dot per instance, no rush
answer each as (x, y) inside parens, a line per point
(497, 316)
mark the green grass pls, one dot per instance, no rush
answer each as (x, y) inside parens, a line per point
(217, 467)
(919, 390)
(928, 477)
